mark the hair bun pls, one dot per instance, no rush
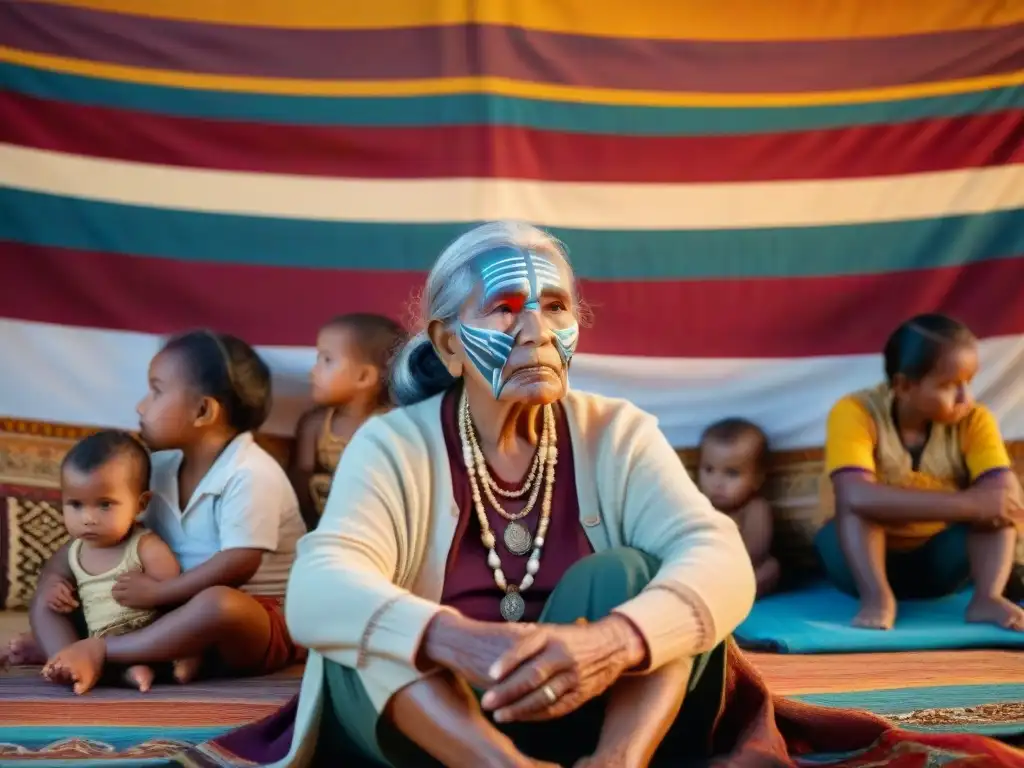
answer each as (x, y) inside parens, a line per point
(428, 366)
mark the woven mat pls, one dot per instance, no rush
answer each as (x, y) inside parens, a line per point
(44, 722)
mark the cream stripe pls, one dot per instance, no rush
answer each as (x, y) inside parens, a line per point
(52, 373)
(555, 204)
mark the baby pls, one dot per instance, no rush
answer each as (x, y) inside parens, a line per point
(104, 489)
(733, 455)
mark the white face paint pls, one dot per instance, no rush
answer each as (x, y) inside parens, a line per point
(518, 277)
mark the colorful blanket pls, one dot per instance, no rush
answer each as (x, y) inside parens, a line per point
(47, 724)
(966, 691)
(756, 729)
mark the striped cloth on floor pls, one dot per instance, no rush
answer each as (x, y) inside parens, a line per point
(41, 722)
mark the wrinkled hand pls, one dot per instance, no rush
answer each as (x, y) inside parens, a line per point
(470, 648)
(59, 594)
(135, 589)
(574, 662)
(996, 505)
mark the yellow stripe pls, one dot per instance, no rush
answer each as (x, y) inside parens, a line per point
(499, 86)
(665, 19)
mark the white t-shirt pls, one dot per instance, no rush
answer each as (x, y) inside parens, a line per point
(245, 501)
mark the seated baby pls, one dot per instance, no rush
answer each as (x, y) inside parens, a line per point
(732, 469)
(104, 489)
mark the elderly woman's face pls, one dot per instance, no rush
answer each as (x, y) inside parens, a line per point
(518, 330)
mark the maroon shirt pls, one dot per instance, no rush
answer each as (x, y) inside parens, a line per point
(469, 582)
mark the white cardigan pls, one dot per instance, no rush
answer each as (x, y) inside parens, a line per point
(367, 582)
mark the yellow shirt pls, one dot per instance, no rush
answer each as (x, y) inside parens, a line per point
(861, 435)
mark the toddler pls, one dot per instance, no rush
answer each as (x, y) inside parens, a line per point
(104, 489)
(349, 384)
(732, 470)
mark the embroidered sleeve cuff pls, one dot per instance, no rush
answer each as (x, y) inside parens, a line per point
(674, 621)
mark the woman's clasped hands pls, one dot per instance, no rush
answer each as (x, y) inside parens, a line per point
(532, 672)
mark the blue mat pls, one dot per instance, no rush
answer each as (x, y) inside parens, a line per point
(816, 619)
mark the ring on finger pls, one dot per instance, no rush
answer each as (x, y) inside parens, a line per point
(549, 693)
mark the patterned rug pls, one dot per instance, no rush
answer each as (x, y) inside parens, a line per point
(46, 723)
(962, 691)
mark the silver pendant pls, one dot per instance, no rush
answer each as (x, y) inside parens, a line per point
(517, 539)
(512, 605)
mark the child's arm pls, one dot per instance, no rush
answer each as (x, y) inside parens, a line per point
(756, 529)
(850, 438)
(56, 584)
(249, 517)
(983, 502)
(158, 561)
(303, 463)
(53, 629)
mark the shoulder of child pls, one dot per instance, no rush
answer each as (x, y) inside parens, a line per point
(258, 476)
(758, 509)
(156, 557)
(310, 423)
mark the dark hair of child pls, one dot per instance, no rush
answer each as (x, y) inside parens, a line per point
(732, 429)
(227, 369)
(92, 452)
(915, 348)
(378, 338)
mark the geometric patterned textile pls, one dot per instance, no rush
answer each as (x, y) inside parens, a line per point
(31, 530)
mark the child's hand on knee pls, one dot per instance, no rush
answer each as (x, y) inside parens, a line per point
(58, 594)
(995, 506)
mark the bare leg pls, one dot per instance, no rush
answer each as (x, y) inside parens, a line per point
(219, 618)
(53, 633)
(21, 650)
(639, 713)
(440, 715)
(991, 556)
(863, 544)
(767, 575)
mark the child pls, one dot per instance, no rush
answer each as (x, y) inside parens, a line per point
(227, 511)
(349, 383)
(924, 497)
(104, 488)
(731, 473)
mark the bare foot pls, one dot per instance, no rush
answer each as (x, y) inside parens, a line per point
(21, 650)
(80, 664)
(996, 610)
(876, 613)
(140, 676)
(186, 670)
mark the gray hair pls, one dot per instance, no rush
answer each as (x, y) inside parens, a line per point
(418, 372)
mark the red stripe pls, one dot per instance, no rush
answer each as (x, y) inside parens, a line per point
(712, 318)
(475, 151)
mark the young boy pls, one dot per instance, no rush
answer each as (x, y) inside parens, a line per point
(733, 458)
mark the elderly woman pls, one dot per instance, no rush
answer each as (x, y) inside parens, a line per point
(509, 572)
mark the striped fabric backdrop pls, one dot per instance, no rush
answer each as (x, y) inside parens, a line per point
(754, 194)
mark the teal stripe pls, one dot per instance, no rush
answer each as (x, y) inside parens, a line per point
(38, 736)
(904, 700)
(63, 222)
(494, 110)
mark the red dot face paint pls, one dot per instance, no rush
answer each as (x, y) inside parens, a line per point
(513, 281)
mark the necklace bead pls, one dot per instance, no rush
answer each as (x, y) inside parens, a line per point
(512, 604)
